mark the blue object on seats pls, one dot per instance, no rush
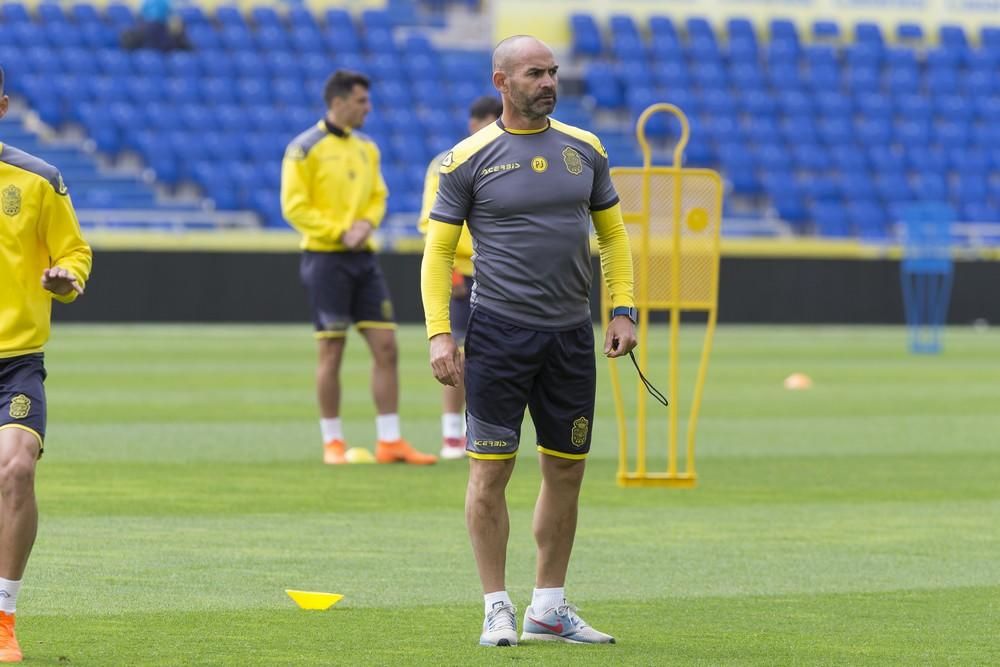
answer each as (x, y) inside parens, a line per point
(826, 30)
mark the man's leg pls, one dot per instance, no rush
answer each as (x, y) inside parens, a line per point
(19, 451)
(385, 369)
(391, 447)
(18, 510)
(452, 423)
(489, 529)
(487, 519)
(555, 518)
(331, 354)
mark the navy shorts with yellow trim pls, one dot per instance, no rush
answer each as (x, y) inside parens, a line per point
(459, 311)
(508, 368)
(22, 394)
(346, 288)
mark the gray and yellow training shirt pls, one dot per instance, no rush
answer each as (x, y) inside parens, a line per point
(528, 198)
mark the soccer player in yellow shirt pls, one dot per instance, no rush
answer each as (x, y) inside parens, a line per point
(42, 256)
(332, 191)
(482, 112)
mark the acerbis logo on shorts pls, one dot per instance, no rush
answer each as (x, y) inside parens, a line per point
(20, 406)
(490, 443)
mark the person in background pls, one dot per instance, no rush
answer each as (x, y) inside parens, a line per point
(332, 191)
(482, 112)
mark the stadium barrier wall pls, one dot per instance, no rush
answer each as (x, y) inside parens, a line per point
(261, 286)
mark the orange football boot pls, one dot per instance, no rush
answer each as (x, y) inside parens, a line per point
(400, 451)
(10, 650)
(334, 452)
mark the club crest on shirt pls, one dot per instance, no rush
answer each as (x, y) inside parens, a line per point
(20, 406)
(579, 434)
(11, 200)
(574, 163)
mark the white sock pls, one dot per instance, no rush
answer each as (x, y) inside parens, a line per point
(493, 599)
(387, 427)
(8, 595)
(452, 425)
(543, 599)
(331, 430)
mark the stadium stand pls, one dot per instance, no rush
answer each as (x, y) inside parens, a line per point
(825, 131)
(832, 135)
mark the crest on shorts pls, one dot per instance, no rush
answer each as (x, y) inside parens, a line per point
(12, 200)
(574, 163)
(386, 309)
(20, 406)
(580, 429)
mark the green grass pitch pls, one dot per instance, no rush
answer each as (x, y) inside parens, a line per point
(182, 491)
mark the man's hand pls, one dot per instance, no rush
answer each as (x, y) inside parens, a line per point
(355, 237)
(620, 339)
(60, 281)
(446, 360)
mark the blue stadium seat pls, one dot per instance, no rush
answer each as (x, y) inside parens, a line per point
(236, 38)
(823, 79)
(914, 107)
(833, 105)
(942, 82)
(162, 119)
(893, 187)
(818, 56)
(863, 55)
(99, 36)
(747, 76)
(831, 219)
(216, 64)
(931, 185)
(229, 16)
(826, 30)
(790, 208)
(785, 77)
(952, 35)
(864, 79)
(51, 13)
(849, 160)
(63, 35)
(904, 81)
(909, 32)
(913, 132)
(811, 157)
(14, 12)
(198, 118)
(307, 39)
(951, 133)
(783, 30)
(143, 90)
(868, 33)
(799, 128)
(869, 220)
(976, 83)
(272, 38)
(954, 108)
(873, 105)
(857, 186)
(967, 161)
(602, 84)
(671, 76)
(263, 15)
(119, 15)
(926, 159)
(204, 37)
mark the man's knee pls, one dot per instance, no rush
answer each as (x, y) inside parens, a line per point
(489, 476)
(385, 350)
(18, 457)
(557, 470)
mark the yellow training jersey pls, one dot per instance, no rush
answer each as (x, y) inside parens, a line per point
(463, 252)
(38, 230)
(330, 178)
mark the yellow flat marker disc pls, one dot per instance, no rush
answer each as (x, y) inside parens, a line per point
(313, 600)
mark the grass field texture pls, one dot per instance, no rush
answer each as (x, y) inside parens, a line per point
(182, 491)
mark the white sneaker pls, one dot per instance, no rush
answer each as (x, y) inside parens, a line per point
(453, 448)
(561, 624)
(500, 626)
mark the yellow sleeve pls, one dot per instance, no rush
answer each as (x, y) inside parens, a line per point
(375, 210)
(616, 255)
(61, 232)
(297, 203)
(431, 179)
(435, 275)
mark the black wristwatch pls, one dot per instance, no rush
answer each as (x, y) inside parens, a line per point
(627, 311)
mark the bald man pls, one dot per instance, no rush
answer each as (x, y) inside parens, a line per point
(528, 188)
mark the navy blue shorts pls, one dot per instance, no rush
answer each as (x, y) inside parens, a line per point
(22, 394)
(346, 288)
(508, 368)
(460, 309)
